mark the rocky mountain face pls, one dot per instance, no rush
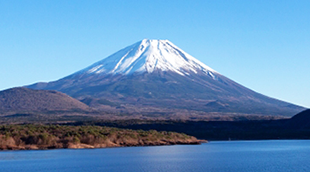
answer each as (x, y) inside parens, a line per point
(155, 77)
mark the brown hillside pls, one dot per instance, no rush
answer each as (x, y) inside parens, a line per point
(27, 100)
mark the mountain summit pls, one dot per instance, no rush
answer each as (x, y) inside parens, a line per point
(149, 56)
(155, 77)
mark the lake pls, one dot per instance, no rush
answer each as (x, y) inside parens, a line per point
(227, 156)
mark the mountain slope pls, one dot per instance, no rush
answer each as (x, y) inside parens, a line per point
(301, 120)
(155, 76)
(28, 100)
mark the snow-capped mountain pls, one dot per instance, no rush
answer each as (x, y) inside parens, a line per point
(157, 77)
(149, 56)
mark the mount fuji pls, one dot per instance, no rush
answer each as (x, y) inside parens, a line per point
(156, 78)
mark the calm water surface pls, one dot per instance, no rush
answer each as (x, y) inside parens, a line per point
(239, 156)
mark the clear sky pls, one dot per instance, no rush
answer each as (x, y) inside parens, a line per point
(263, 45)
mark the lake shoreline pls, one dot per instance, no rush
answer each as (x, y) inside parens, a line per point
(43, 137)
(86, 146)
(235, 156)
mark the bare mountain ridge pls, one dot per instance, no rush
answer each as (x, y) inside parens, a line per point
(28, 100)
(155, 76)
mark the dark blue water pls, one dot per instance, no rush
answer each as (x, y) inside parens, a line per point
(239, 156)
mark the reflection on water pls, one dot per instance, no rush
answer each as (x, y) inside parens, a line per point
(241, 156)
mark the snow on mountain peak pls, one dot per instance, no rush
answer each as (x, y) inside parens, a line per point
(150, 55)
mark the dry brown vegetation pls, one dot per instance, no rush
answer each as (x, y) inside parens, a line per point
(20, 137)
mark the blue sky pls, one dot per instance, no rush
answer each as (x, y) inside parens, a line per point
(263, 45)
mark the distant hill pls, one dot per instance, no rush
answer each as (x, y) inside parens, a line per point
(301, 120)
(27, 100)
